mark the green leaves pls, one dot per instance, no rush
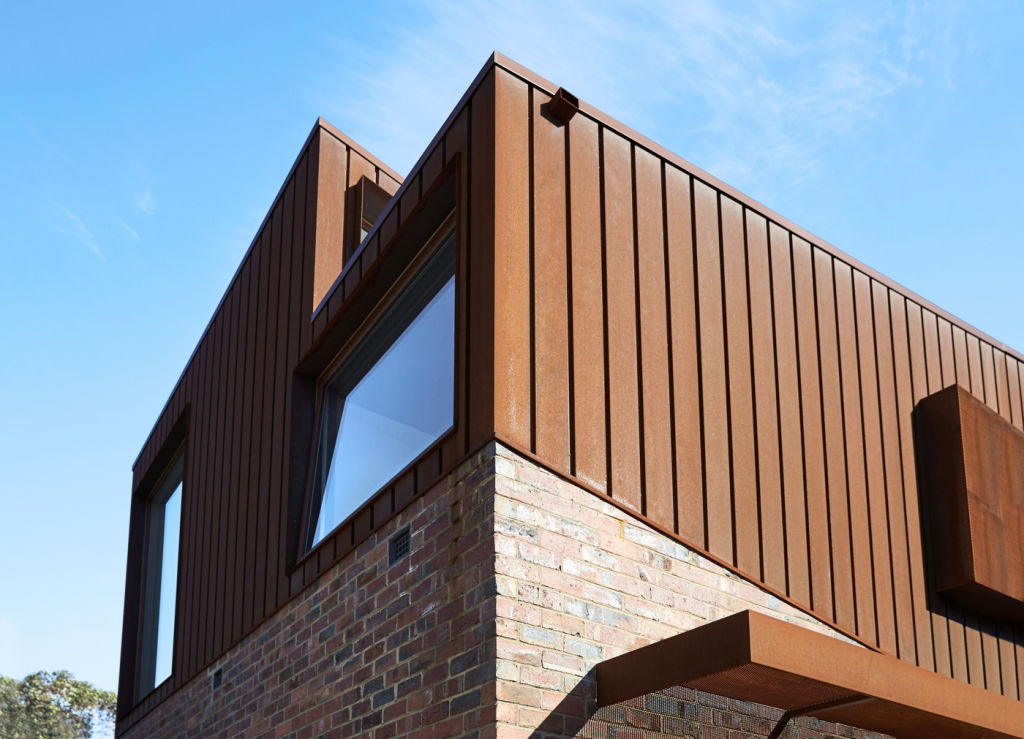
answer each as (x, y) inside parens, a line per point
(53, 705)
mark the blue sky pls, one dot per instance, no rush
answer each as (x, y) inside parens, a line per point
(141, 147)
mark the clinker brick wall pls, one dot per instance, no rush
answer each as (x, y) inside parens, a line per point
(517, 584)
(367, 650)
(580, 581)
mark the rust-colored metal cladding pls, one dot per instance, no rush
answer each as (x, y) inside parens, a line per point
(341, 165)
(642, 330)
(972, 462)
(250, 389)
(510, 233)
(549, 302)
(753, 657)
(625, 469)
(587, 303)
(789, 377)
(364, 201)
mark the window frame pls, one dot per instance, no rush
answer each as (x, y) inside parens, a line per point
(172, 477)
(444, 238)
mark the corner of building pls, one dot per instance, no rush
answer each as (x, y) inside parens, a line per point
(402, 649)
(580, 581)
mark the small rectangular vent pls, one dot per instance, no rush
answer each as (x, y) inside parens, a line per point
(398, 547)
(218, 677)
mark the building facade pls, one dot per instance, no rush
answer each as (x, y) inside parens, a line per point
(455, 447)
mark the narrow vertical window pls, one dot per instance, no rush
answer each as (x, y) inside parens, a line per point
(161, 583)
(390, 398)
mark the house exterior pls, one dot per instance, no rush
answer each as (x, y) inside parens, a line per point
(559, 435)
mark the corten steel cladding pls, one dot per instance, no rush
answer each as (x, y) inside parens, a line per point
(757, 658)
(623, 318)
(250, 384)
(728, 377)
(972, 462)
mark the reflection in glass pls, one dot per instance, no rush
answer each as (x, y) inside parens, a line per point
(161, 579)
(168, 586)
(372, 429)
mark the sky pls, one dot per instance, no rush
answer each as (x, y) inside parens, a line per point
(141, 145)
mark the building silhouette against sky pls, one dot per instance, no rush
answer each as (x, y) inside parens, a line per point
(560, 435)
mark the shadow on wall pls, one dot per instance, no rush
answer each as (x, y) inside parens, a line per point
(572, 715)
(932, 422)
(677, 711)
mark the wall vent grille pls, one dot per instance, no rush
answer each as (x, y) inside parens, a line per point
(398, 547)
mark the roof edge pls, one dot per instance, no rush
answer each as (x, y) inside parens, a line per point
(658, 150)
(488, 65)
(351, 143)
(320, 124)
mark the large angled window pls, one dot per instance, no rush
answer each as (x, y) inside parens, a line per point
(390, 398)
(161, 583)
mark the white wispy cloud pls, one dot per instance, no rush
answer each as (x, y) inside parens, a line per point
(74, 226)
(129, 230)
(745, 90)
(147, 203)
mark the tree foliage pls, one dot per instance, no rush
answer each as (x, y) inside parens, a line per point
(52, 705)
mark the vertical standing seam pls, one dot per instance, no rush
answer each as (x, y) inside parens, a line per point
(467, 267)
(753, 395)
(262, 319)
(824, 436)
(800, 409)
(639, 335)
(772, 290)
(532, 278)
(700, 364)
(902, 476)
(885, 467)
(236, 558)
(916, 392)
(604, 306)
(864, 446)
(727, 378)
(669, 347)
(570, 336)
(846, 449)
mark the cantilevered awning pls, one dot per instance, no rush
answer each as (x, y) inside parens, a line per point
(757, 658)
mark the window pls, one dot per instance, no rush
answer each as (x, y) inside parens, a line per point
(161, 578)
(391, 397)
(364, 203)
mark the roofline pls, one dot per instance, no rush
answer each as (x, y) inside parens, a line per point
(491, 62)
(355, 146)
(660, 151)
(320, 124)
(498, 60)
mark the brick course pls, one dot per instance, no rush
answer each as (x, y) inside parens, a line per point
(580, 581)
(368, 649)
(517, 585)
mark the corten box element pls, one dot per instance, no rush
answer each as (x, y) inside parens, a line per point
(972, 468)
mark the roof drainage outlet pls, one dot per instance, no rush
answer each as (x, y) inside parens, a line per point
(563, 106)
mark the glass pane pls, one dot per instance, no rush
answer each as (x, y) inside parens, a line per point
(397, 410)
(168, 586)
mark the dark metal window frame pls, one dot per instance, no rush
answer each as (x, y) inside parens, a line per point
(170, 478)
(411, 295)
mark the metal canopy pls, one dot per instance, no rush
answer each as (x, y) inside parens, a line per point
(752, 657)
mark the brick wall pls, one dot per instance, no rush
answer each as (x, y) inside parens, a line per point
(580, 581)
(367, 650)
(517, 584)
